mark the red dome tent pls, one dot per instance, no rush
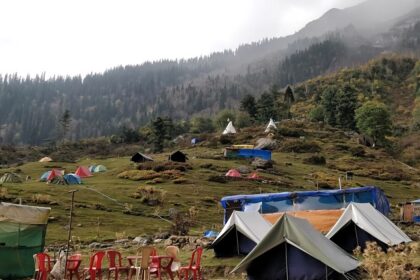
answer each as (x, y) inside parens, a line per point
(233, 173)
(55, 173)
(254, 175)
(83, 172)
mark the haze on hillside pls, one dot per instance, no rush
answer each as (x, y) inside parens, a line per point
(79, 37)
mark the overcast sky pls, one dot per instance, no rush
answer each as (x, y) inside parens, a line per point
(83, 36)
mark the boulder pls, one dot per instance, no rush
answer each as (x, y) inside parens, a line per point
(243, 169)
(266, 144)
(262, 164)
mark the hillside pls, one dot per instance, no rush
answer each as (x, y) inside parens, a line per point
(101, 103)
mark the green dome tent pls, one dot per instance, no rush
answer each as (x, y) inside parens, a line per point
(10, 178)
(99, 168)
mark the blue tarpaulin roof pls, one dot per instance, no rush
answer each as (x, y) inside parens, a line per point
(254, 153)
(311, 200)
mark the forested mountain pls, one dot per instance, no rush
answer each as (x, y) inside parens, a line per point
(100, 104)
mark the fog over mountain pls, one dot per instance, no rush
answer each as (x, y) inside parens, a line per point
(132, 95)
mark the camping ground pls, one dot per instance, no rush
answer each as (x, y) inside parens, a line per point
(106, 207)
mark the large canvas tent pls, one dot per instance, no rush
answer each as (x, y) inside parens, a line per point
(240, 234)
(307, 200)
(9, 177)
(360, 223)
(293, 249)
(139, 157)
(22, 234)
(230, 129)
(83, 172)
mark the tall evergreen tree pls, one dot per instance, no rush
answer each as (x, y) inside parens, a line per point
(158, 134)
(266, 108)
(329, 104)
(249, 105)
(346, 103)
(64, 123)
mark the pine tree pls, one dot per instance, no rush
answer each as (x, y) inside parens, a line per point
(249, 105)
(158, 134)
(64, 122)
(329, 104)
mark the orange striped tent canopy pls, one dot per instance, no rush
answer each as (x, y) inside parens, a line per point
(321, 220)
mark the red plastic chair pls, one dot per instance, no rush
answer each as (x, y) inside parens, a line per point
(73, 265)
(194, 266)
(42, 266)
(95, 266)
(115, 264)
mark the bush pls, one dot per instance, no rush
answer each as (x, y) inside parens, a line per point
(397, 263)
(227, 139)
(290, 132)
(41, 198)
(299, 146)
(316, 159)
(162, 166)
(217, 179)
(150, 195)
(357, 151)
(316, 114)
(137, 175)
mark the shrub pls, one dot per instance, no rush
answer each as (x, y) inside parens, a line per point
(316, 114)
(290, 132)
(41, 198)
(217, 179)
(181, 181)
(316, 159)
(162, 166)
(299, 146)
(3, 194)
(150, 195)
(226, 139)
(357, 151)
(137, 175)
(397, 263)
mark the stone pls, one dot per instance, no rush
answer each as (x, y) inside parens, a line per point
(243, 169)
(261, 163)
(266, 144)
(168, 242)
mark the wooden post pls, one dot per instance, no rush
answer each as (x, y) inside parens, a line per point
(69, 235)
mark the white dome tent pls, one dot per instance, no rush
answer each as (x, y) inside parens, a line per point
(271, 126)
(230, 129)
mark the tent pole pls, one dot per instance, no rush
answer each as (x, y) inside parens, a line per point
(326, 273)
(69, 235)
(287, 265)
(355, 231)
(237, 240)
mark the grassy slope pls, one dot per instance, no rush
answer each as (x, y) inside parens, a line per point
(204, 195)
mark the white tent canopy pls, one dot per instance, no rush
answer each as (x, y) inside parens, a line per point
(366, 217)
(23, 214)
(300, 234)
(271, 126)
(250, 224)
(230, 129)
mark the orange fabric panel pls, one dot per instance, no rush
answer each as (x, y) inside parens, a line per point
(321, 220)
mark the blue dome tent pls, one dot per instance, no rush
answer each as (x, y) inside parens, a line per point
(72, 179)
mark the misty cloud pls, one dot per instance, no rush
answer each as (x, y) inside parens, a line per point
(79, 36)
